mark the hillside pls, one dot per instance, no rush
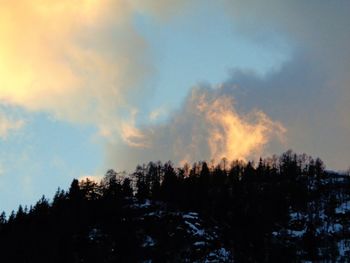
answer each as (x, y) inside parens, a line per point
(282, 209)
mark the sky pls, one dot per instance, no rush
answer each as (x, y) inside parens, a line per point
(89, 85)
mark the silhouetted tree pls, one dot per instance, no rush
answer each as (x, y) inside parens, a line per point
(74, 191)
(2, 219)
(142, 183)
(169, 185)
(278, 210)
(127, 188)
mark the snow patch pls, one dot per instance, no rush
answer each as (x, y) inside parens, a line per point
(94, 234)
(148, 242)
(334, 228)
(200, 244)
(297, 233)
(190, 215)
(195, 230)
(343, 208)
(219, 255)
(344, 247)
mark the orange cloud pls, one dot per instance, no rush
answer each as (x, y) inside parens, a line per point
(133, 136)
(231, 135)
(207, 127)
(82, 59)
(75, 59)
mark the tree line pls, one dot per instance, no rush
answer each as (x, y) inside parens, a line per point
(250, 201)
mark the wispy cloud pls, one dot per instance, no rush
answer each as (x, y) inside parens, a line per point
(82, 61)
(157, 113)
(89, 68)
(95, 178)
(132, 135)
(208, 126)
(8, 125)
(311, 92)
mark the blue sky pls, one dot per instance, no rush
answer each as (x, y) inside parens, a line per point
(203, 47)
(77, 96)
(44, 155)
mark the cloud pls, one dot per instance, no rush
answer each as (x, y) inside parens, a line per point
(311, 92)
(206, 127)
(80, 60)
(84, 61)
(95, 178)
(89, 68)
(133, 136)
(157, 113)
(318, 30)
(8, 125)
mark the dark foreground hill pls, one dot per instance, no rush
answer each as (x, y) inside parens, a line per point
(283, 209)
